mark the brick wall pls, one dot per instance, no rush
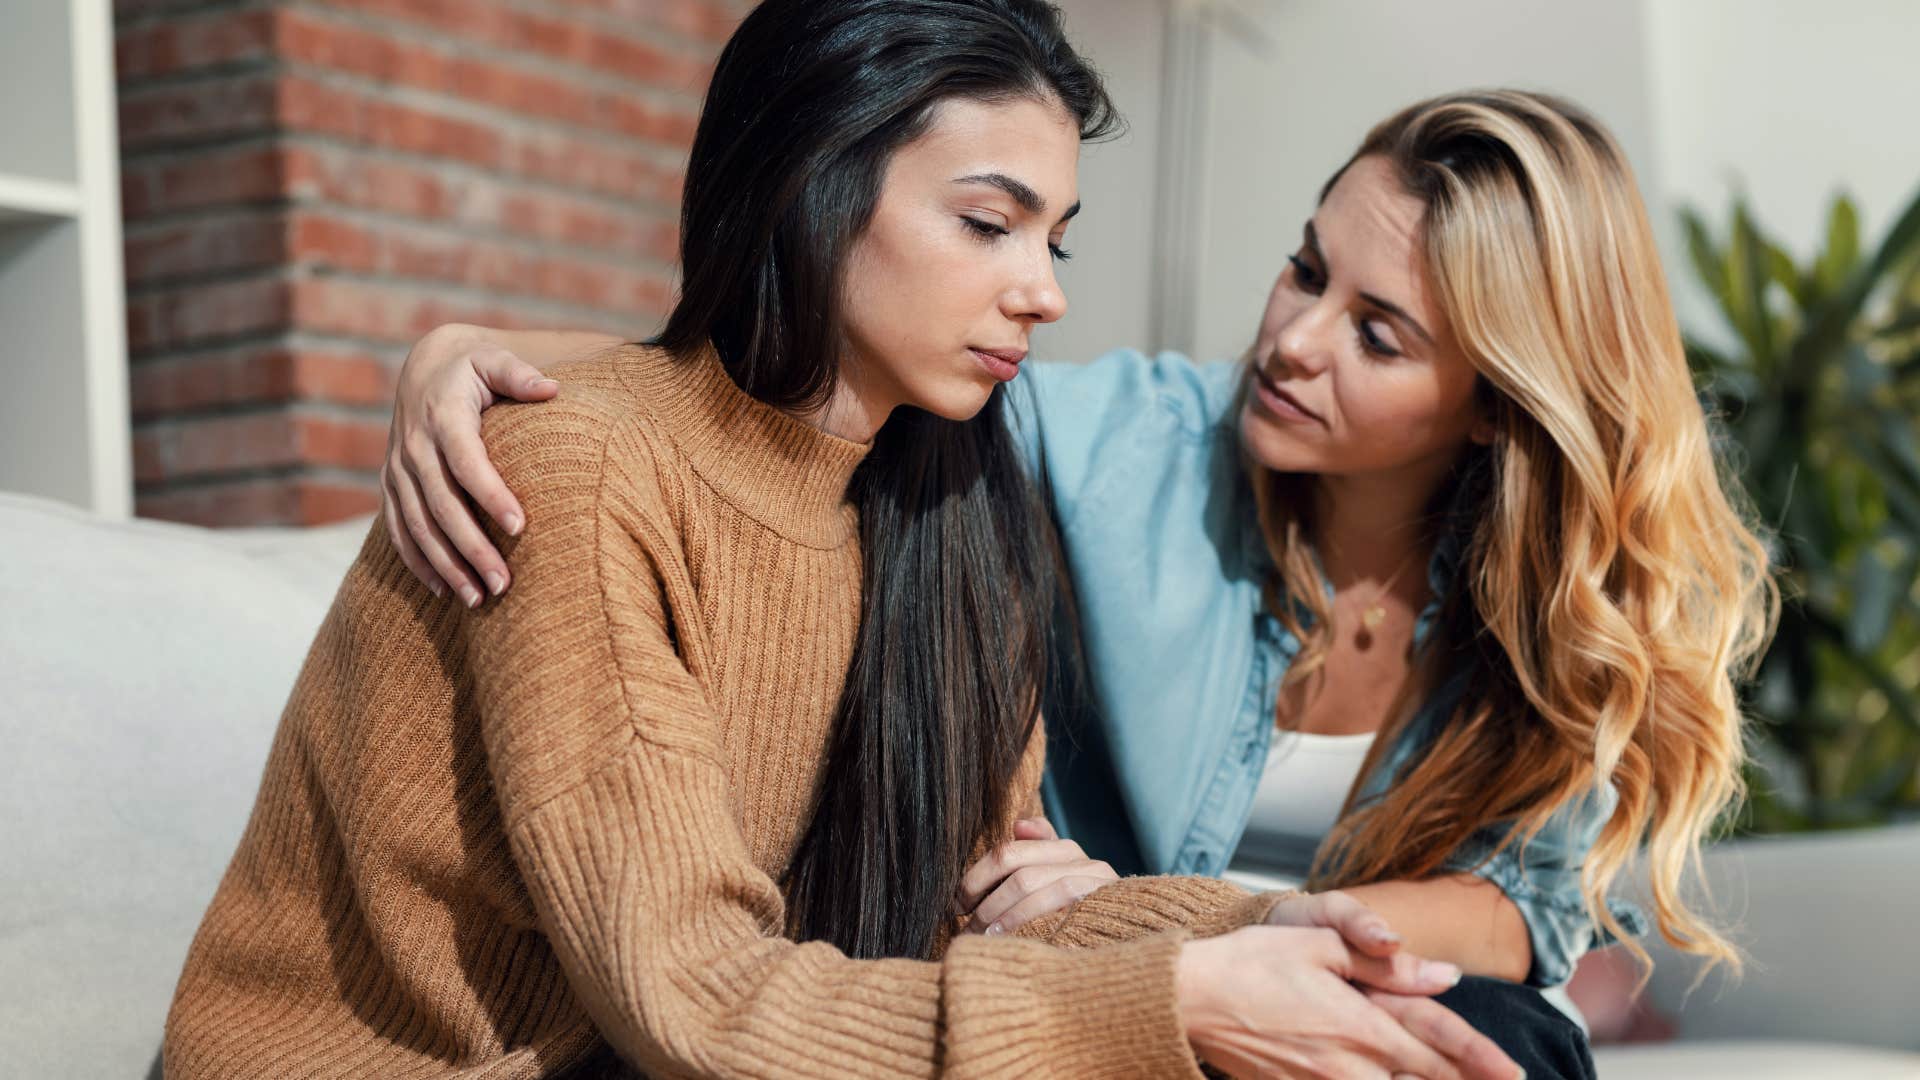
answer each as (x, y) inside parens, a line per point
(311, 184)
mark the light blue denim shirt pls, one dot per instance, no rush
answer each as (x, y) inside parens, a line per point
(1156, 772)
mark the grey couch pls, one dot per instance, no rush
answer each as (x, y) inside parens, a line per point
(143, 667)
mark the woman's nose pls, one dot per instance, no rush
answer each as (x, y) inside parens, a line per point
(1305, 341)
(1039, 298)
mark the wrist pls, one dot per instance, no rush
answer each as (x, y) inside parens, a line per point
(1193, 990)
(446, 341)
(459, 333)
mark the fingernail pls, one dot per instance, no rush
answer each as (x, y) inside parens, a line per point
(437, 589)
(1520, 1074)
(496, 582)
(470, 596)
(996, 930)
(1439, 971)
(542, 384)
(1383, 935)
(513, 524)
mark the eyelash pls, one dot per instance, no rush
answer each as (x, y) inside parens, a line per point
(1308, 280)
(987, 234)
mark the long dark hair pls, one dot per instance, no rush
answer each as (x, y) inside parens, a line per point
(809, 101)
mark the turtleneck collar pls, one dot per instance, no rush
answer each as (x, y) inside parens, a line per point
(778, 470)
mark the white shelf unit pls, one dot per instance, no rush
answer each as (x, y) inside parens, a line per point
(64, 427)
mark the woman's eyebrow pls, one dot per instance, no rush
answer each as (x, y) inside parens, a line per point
(1029, 199)
(1388, 306)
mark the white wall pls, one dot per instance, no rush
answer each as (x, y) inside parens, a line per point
(1291, 87)
(1788, 101)
(1287, 114)
(1784, 99)
(1110, 276)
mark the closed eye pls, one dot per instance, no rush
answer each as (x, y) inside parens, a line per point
(987, 232)
(1372, 342)
(1305, 276)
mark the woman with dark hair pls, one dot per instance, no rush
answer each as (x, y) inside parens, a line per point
(699, 794)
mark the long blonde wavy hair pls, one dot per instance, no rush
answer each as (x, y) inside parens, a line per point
(1611, 590)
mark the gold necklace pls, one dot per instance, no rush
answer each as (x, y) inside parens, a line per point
(1373, 616)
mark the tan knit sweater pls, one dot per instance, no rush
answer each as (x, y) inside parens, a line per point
(544, 837)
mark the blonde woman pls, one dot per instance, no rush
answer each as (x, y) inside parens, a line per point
(1437, 599)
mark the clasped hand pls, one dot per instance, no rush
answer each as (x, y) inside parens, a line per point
(1323, 989)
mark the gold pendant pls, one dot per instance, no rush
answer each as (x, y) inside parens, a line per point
(1373, 617)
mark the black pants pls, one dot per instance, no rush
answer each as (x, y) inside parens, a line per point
(1532, 1032)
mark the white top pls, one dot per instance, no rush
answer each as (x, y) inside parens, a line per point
(1302, 788)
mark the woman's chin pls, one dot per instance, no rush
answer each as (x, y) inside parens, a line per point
(1277, 449)
(959, 400)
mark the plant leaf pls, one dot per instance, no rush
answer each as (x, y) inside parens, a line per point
(1749, 278)
(1899, 698)
(1843, 244)
(1900, 325)
(1710, 263)
(1830, 323)
(1875, 592)
(1780, 269)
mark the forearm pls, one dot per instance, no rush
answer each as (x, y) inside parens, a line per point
(1462, 919)
(1135, 907)
(546, 348)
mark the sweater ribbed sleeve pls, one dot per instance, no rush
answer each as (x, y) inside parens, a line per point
(1138, 906)
(607, 759)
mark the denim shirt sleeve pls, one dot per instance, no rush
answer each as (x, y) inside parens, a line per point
(1069, 420)
(1542, 878)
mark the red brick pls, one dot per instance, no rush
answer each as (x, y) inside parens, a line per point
(186, 448)
(346, 378)
(257, 375)
(713, 20)
(167, 48)
(211, 178)
(322, 241)
(368, 54)
(340, 443)
(174, 317)
(551, 217)
(277, 193)
(195, 447)
(267, 501)
(317, 239)
(337, 175)
(241, 240)
(581, 163)
(377, 312)
(304, 104)
(340, 175)
(247, 375)
(644, 120)
(323, 504)
(224, 107)
(572, 41)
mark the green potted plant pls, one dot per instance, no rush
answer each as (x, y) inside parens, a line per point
(1817, 399)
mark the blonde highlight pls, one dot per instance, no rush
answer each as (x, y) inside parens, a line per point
(1612, 586)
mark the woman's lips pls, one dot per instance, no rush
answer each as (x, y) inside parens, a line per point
(1002, 364)
(1281, 404)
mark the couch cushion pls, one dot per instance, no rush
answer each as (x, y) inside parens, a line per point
(1755, 1061)
(143, 667)
(1825, 922)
